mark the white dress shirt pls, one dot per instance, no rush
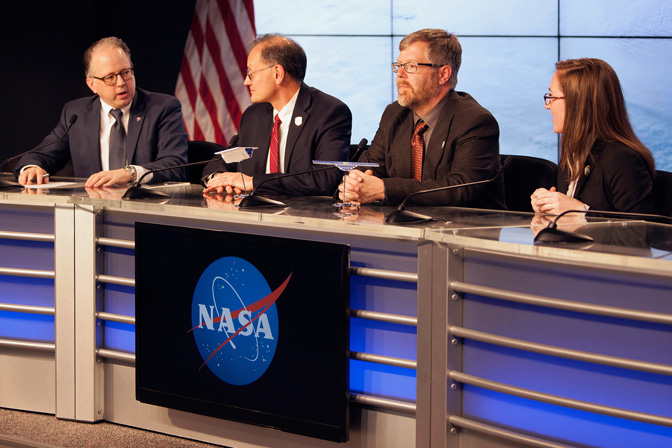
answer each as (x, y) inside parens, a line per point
(286, 118)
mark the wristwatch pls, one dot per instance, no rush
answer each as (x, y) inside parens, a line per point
(132, 172)
(206, 179)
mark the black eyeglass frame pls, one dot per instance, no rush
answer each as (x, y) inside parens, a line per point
(111, 79)
(397, 65)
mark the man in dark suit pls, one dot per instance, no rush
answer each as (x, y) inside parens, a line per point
(433, 136)
(148, 133)
(311, 125)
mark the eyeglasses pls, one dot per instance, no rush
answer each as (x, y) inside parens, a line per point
(111, 80)
(249, 73)
(411, 67)
(548, 98)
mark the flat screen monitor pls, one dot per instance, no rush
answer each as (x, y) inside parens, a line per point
(243, 327)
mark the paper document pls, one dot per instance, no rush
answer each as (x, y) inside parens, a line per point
(54, 185)
(237, 154)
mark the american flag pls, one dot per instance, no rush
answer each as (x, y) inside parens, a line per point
(210, 85)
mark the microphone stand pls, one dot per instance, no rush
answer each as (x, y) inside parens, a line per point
(253, 201)
(361, 147)
(551, 234)
(138, 192)
(403, 216)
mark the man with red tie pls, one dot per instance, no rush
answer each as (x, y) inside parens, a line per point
(290, 123)
(433, 136)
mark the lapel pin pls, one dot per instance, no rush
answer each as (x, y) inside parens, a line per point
(138, 118)
(298, 121)
(586, 170)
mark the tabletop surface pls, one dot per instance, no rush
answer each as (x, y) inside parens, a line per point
(626, 241)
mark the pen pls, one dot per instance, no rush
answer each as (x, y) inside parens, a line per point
(43, 176)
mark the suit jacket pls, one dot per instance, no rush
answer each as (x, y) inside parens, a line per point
(319, 130)
(464, 147)
(155, 138)
(615, 178)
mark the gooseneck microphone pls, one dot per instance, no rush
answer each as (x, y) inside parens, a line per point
(360, 149)
(71, 121)
(551, 234)
(138, 192)
(253, 200)
(403, 216)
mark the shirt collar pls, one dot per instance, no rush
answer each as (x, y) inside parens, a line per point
(432, 116)
(106, 108)
(288, 110)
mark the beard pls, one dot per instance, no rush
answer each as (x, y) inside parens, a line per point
(414, 96)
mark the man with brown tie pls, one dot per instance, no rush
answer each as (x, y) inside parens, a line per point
(290, 123)
(432, 136)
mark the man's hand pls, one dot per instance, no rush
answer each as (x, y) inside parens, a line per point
(361, 188)
(110, 178)
(229, 183)
(33, 175)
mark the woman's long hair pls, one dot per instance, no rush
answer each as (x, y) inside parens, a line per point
(594, 110)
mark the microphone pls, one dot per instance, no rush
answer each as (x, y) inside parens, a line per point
(71, 121)
(360, 149)
(403, 216)
(551, 234)
(252, 200)
(233, 142)
(138, 192)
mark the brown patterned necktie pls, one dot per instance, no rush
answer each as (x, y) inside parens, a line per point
(417, 148)
(275, 145)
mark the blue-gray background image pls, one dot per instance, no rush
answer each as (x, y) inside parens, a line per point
(509, 54)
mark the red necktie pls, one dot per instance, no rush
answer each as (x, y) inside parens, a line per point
(275, 145)
(417, 147)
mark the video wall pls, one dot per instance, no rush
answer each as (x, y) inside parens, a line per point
(509, 54)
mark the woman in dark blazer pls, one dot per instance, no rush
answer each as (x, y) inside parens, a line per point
(603, 165)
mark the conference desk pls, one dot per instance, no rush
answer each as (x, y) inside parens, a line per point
(463, 331)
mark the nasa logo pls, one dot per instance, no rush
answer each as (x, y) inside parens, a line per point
(235, 321)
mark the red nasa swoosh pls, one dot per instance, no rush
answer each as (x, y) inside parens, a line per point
(262, 305)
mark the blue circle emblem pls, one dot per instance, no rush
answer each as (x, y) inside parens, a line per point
(234, 321)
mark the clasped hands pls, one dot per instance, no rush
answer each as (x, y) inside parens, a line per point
(553, 202)
(361, 187)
